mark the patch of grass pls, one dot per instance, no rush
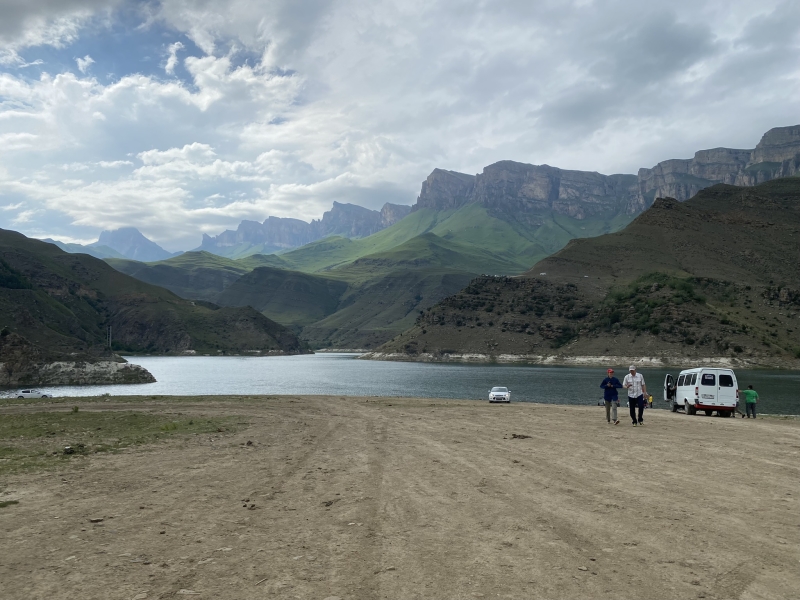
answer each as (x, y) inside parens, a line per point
(36, 441)
(4, 503)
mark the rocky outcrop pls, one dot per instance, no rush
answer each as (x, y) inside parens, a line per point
(276, 233)
(525, 192)
(24, 363)
(776, 155)
(392, 213)
(104, 372)
(445, 190)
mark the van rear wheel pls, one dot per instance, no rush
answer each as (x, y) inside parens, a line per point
(724, 413)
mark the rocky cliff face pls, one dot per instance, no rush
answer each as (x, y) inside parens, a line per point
(776, 155)
(445, 190)
(277, 233)
(525, 192)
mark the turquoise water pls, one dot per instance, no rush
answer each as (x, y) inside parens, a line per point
(341, 374)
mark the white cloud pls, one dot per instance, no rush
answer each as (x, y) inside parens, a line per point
(84, 63)
(172, 58)
(287, 106)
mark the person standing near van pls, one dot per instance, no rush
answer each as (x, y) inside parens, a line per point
(634, 383)
(610, 386)
(750, 399)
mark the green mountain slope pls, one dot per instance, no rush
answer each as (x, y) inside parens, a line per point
(716, 276)
(290, 297)
(471, 225)
(64, 303)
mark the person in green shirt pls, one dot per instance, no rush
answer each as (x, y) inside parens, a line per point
(750, 399)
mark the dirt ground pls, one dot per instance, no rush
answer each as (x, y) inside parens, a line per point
(372, 498)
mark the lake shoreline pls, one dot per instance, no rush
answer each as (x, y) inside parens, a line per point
(561, 360)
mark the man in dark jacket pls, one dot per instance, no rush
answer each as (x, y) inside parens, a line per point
(610, 386)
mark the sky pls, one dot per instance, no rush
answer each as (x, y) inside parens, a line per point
(183, 117)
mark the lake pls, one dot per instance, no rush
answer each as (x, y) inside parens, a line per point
(342, 374)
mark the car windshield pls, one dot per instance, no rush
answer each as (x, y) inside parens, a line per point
(500, 390)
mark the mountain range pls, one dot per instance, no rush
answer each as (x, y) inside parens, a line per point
(361, 292)
(715, 276)
(276, 234)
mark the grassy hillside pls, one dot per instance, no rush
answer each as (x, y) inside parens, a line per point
(714, 276)
(64, 303)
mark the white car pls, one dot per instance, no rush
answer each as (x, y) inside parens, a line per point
(30, 394)
(499, 394)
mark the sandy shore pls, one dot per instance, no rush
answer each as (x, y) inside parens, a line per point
(368, 498)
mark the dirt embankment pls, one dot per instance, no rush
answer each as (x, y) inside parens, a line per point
(367, 498)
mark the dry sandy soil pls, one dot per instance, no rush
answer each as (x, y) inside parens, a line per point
(367, 498)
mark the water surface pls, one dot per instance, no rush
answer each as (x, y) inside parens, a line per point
(341, 374)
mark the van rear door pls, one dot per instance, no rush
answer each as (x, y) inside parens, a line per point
(708, 387)
(726, 389)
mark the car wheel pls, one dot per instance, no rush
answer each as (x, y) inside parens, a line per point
(44, 395)
(23, 397)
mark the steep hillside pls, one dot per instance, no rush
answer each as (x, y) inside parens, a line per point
(64, 303)
(716, 276)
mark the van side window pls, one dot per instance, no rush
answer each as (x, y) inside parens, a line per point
(680, 380)
(708, 379)
(725, 381)
(694, 378)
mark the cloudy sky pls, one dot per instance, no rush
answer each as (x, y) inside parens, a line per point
(186, 116)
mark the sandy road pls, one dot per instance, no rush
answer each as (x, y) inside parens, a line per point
(367, 498)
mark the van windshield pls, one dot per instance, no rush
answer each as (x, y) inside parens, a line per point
(708, 379)
(725, 380)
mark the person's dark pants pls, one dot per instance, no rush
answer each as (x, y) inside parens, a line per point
(750, 407)
(633, 403)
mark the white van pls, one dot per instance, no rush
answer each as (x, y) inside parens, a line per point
(705, 388)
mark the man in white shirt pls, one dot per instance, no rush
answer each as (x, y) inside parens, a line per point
(634, 383)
